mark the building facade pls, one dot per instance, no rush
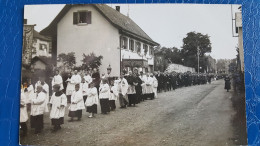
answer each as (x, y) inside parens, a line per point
(98, 29)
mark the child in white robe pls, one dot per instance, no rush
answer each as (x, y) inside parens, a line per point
(58, 103)
(77, 104)
(92, 100)
(113, 95)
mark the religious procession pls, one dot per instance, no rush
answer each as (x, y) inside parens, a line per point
(84, 93)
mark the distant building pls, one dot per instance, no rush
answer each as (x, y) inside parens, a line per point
(238, 20)
(104, 31)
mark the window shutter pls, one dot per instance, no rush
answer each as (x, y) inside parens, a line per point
(75, 17)
(88, 17)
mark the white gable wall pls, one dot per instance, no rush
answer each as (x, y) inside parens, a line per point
(100, 37)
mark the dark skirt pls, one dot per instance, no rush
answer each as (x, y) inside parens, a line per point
(77, 114)
(112, 104)
(85, 98)
(59, 121)
(37, 122)
(92, 109)
(132, 99)
(104, 103)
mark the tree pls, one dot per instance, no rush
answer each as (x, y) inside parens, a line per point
(91, 60)
(189, 53)
(68, 60)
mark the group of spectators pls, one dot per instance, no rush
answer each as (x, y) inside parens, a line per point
(172, 81)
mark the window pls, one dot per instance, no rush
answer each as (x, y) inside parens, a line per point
(145, 49)
(138, 47)
(124, 42)
(131, 45)
(150, 50)
(43, 47)
(82, 17)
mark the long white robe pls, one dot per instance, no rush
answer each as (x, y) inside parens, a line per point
(114, 95)
(155, 85)
(57, 111)
(29, 94)
(144, 86)
(70, 87)
(149, 87)
(104, 91)
(77, 102)
(38, 104)
(88, 79)
(57, 79)
(23, 110)
(92, 97)
(85, 89)
(45, 87)
(123, 86)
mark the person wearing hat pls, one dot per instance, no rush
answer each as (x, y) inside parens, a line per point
(92, 100)
(58, 103)
(37, 109)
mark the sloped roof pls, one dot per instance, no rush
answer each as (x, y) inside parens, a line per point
(117, 19)
(41, 37)
(45, 60)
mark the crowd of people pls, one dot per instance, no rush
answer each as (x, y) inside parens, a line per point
(85, 92)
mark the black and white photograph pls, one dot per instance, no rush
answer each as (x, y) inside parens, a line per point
(132, 74)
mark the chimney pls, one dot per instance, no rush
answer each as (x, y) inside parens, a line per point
(118, 8)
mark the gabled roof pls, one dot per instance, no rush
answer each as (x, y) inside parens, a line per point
(41, 37)
(123, 23)
(43, 59)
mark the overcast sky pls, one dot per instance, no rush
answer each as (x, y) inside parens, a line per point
(166, 24)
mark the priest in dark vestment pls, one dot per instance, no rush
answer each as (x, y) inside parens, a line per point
(96, 79)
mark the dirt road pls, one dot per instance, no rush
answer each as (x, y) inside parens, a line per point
(196, 115)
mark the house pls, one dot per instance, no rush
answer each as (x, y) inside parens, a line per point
(102, 30)
(41, 45)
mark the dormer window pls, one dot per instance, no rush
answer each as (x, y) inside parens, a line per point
(82, 17)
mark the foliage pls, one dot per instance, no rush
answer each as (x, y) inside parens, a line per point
(189, 51)
(68, 60)
(91, 61)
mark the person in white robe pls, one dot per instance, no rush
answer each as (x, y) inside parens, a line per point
(122, 91)
(70, 88)
(104, 94)
(45, 87)
(85, 87)
(23, 114)
(37, 110)
(29, 93)
(92, 100)
(75, 79)
(154, 85)
(77, 104)
(87, 77)
(144, 86)
(57, 79)
(149, 87)
(113, 94)
(58, 103)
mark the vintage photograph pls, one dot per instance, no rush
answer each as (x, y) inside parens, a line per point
(132, 74)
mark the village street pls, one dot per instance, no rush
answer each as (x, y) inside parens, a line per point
(196, 115)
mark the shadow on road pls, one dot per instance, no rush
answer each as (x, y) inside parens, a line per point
(239, 119)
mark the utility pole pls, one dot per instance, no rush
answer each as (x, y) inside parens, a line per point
(198, 53)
